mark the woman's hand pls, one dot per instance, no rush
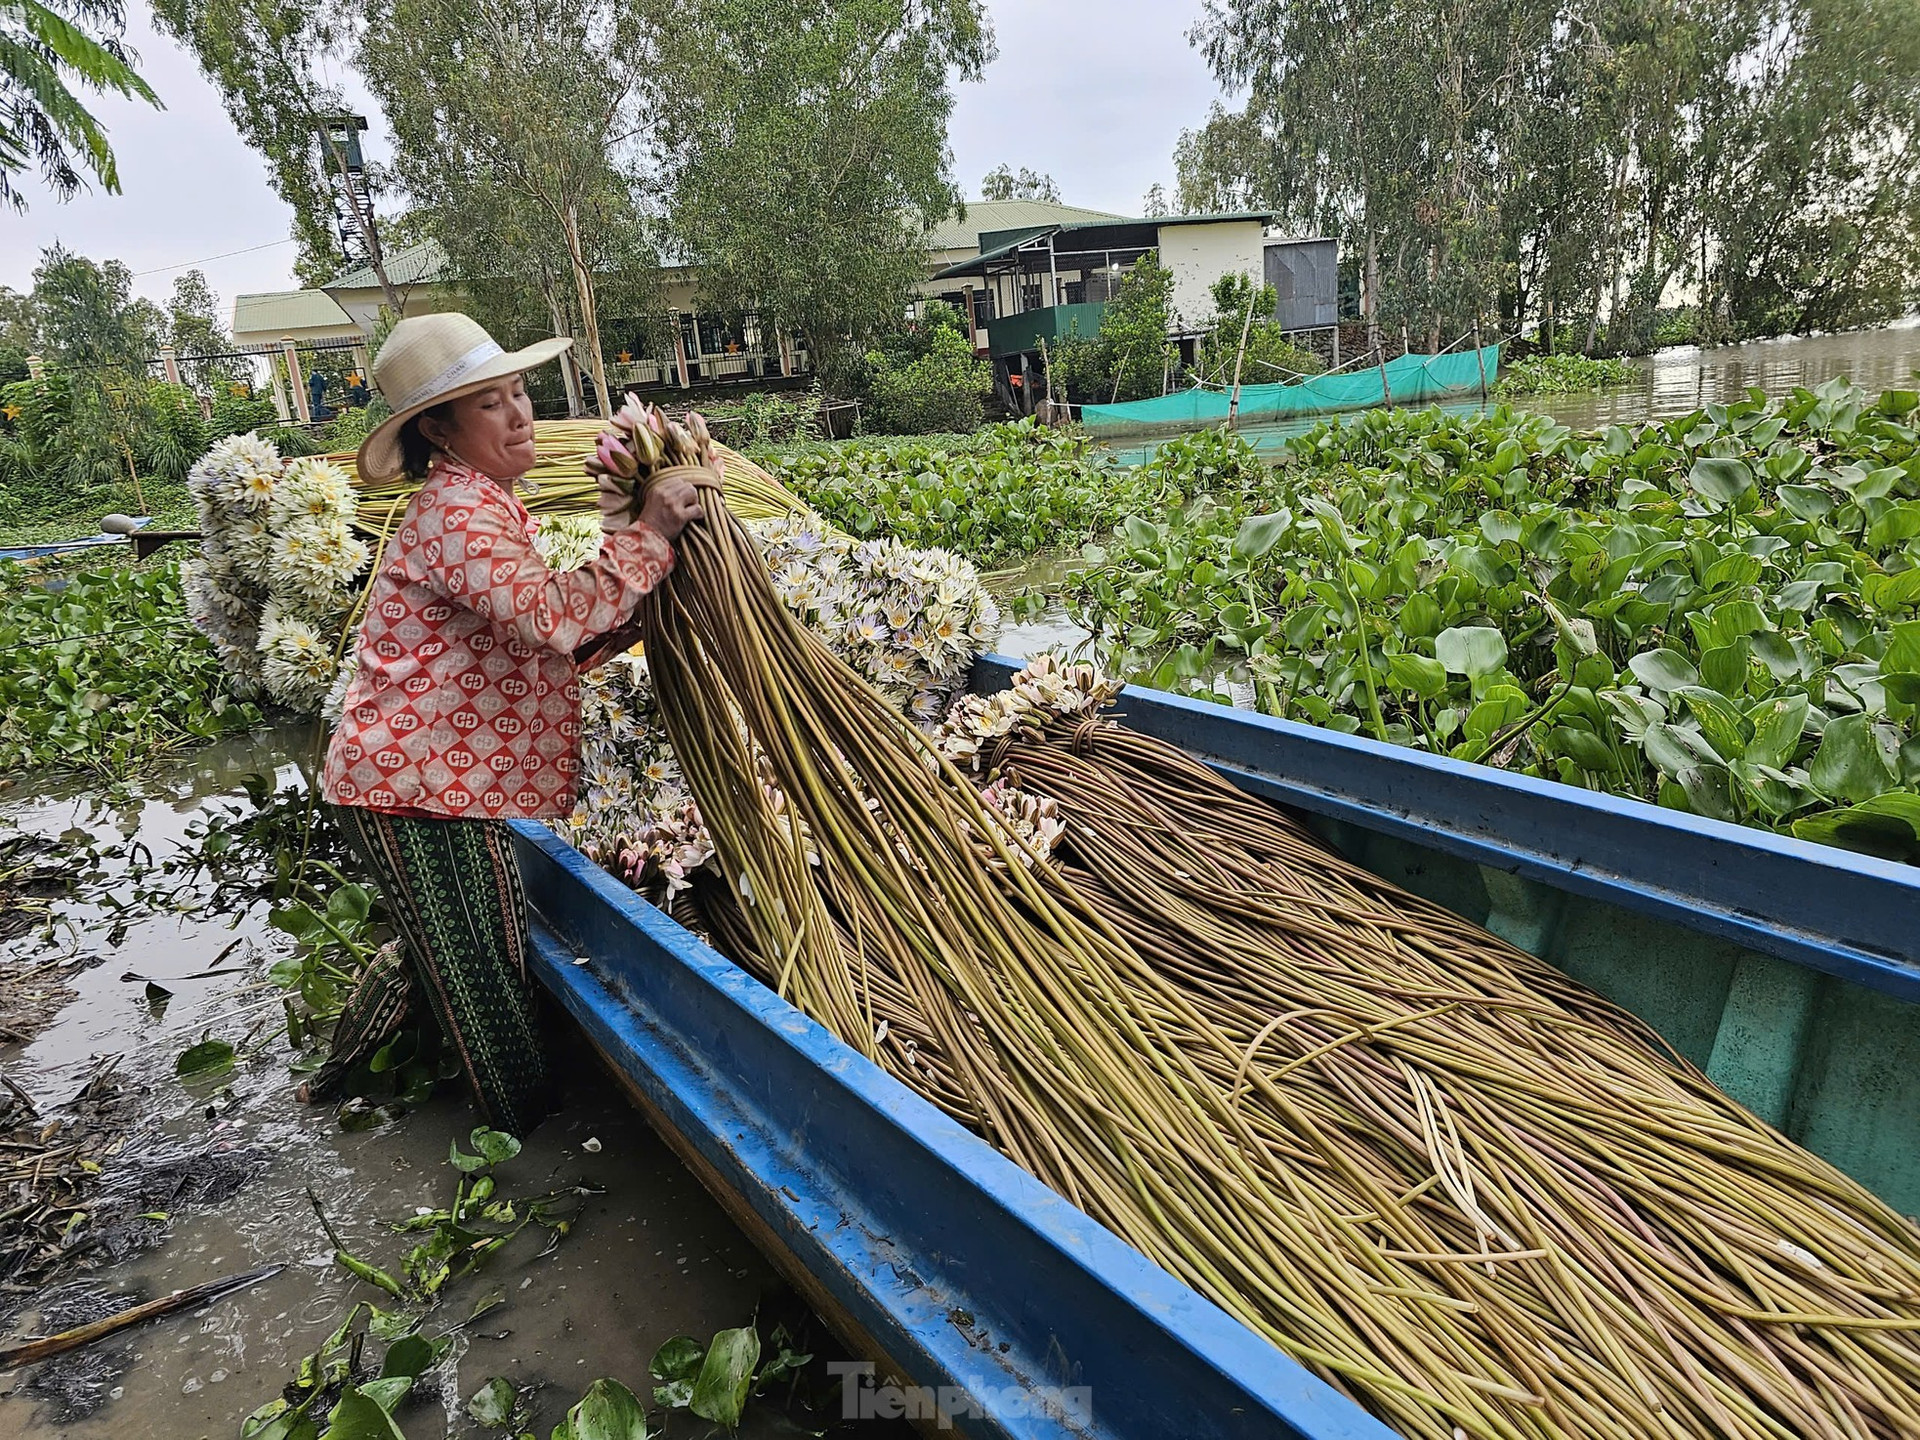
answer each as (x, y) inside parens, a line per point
(672, 504)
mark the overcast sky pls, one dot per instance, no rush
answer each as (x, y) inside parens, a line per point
(1094, 92)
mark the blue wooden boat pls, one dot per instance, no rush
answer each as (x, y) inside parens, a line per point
(988, 1304)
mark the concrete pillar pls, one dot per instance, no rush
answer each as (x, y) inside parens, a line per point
(363, 364)
(295, 380)
(679, 349)
(36, 368)
(170, 362)
(279, 386)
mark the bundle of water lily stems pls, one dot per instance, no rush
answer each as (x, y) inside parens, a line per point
(1464, 1190)
(559, 485)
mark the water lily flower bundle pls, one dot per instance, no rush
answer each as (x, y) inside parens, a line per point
(279, 567)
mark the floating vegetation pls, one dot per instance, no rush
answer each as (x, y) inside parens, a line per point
(1718, 613)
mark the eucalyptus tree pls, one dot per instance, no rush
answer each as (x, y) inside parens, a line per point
(515, 123)
(266, 58)
(47, 51)
(1004, 183)
(801, 150)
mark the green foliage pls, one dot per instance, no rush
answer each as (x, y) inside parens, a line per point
(106, 674)
(1567, 165)
(803, 152)
(513, 124)
(1130, 358)
(1719, 613)
(1270, 358)
(714, 1381)
(46, 53)
(1002, 493)
(266, 61)
(940, 390)
(1563, 375)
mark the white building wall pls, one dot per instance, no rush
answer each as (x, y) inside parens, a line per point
(1198, 255)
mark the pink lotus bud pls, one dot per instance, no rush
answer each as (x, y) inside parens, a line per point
(616, 457)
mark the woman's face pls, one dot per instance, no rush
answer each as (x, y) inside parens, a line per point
(491, 429)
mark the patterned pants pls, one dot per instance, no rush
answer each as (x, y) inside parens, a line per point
(454, 892)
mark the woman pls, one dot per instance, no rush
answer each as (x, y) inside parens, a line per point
(465, 708)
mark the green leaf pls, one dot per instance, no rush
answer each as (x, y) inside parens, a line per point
(1806, 502)
(388, 1391)
(1673, 749)
(1709, 791)
(1723, 479)
(1724, 668)
(492, 1404)
(205, 1061)
(1499, 526)
(674, 1365)
(1776, 652)
(1260, 533)
(1140, 534)
(720, 1389)
(1777, 726)
(1852, 763)
(1471, 650)
(1887, 825)
(1424, 677)
(610, 1411)
(357, 1416)
(1420, 616)
(1902, 685)
(408, 1356)
(1726, 729)
(1663, 670)
(495, 1146)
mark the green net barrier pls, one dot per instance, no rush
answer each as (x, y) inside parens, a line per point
(1408, 380)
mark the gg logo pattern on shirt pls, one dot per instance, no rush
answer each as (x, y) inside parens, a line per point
(465, 702)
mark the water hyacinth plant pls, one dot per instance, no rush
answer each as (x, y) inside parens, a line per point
(1718, 613)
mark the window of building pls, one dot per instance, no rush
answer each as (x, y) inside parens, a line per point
(982, 308)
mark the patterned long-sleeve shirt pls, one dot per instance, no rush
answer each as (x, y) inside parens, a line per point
(466, 703)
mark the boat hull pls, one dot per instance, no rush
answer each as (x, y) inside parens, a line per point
(992, 1307)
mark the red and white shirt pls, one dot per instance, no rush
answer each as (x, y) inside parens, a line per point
(466, 703)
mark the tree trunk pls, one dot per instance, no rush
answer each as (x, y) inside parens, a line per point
(1370, 283)
(1613, 259)
(589, 311)
(569, 374)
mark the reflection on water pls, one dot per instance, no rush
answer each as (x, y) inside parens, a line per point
(1676, 381)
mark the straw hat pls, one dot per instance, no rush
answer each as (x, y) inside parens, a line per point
(431, 358)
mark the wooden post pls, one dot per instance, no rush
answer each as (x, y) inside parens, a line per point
(363, 364)
(1386, 388)
(1049, 368)
(279, 386)
(1246, 326)
(1336, 344)
(786, 353)
(679, 350)
(1406, 347)
(170, 362)
(1480, 360)
(295, 380)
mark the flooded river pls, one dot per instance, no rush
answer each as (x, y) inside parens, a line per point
(225, 1169)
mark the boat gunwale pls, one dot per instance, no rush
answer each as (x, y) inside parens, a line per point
(1836, 911)
(1104, 1307)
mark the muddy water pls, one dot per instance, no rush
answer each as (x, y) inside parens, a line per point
(650, 1257)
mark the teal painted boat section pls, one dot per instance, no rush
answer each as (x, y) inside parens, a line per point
(1408, 380)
